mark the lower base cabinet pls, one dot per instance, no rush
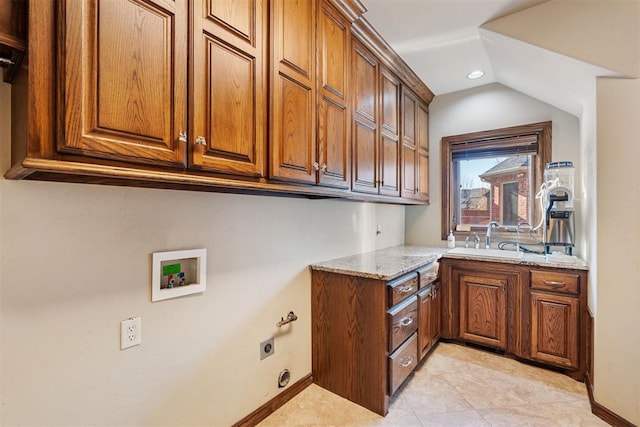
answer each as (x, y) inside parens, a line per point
(483, 310)
(402, 362)
(429, 308)
(555, 318)
(368, 335)
(533, 313)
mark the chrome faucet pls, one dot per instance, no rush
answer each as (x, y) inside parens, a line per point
(487, 240)
(477, 241)
(522, 224)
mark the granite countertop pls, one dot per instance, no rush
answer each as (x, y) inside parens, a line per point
(389, 263)
(532, 260)
(383, 264)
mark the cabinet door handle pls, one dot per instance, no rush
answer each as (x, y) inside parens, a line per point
(182, 137)
(316, 166)
(5, 62)
(201, 140)
(323, 168)
(554, 284)
(406, 361)
(406, 321)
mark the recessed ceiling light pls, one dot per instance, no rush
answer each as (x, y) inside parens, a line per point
(475, 74)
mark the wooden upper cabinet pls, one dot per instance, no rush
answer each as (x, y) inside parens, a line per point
(365, 68)
(389, 133)
(223, 95)
(333, 104)
(293, 83)
(415, 147)
(422, 146)
(229, 94)
(123, 80)
(409, 147)
(376, 125)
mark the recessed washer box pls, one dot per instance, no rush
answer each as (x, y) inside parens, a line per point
(178, 273)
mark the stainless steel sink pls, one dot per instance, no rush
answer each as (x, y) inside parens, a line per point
(486, 253)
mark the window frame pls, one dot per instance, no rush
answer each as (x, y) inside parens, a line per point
(450, 144)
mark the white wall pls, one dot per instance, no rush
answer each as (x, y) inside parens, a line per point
(617, 339)
(588, 209)
(75, 260)
(487, 107)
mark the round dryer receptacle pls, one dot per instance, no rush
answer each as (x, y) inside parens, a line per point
(283, 378)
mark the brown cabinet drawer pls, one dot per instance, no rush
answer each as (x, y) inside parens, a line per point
(402, 288)
(402, 362)
(555, 281)
(428, 274)
(403, 321)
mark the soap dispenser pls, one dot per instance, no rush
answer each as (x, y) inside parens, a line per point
(451, 240)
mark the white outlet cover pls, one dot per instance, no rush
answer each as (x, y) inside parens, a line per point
(130, 332)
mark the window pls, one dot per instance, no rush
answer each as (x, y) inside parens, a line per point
(493, 176)
(514, 212)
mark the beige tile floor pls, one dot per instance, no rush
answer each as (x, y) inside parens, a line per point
(457, 386)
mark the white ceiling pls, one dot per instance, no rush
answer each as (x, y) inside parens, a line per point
(441, 40)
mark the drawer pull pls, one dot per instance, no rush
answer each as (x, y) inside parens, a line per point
(406, 361)
(406, 321)
(405, 289)
(554, 284)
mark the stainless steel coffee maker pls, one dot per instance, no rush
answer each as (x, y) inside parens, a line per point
(559, 228)
(559, 215)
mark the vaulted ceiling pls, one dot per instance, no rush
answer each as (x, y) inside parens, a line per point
(550, 50)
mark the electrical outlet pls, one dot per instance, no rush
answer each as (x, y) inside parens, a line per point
(379, 229)
(267, 348)
(130, 332)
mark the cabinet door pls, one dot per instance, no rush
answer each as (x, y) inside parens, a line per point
(409, 149)
(124, 80)
(436, 314)
(333, 92)
(554, 329)
(293, 81)
(483, 310)
(425, 318)
(389, 134)
(365, 120)
(422, 148)
(229, 91)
